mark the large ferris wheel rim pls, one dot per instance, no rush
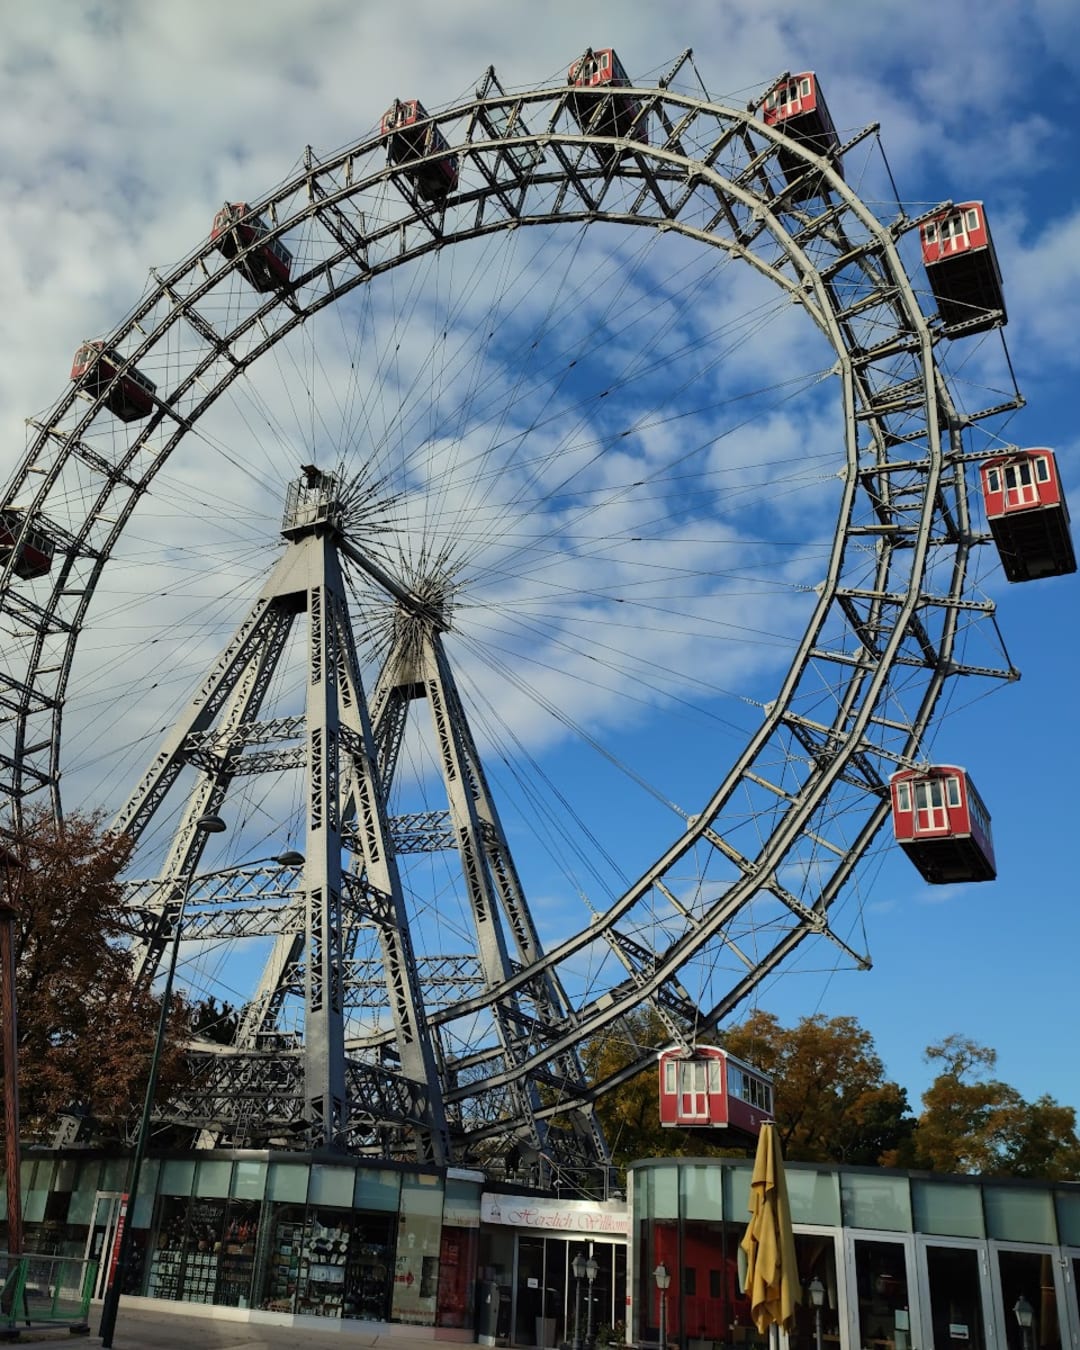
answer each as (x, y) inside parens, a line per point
(805, 286)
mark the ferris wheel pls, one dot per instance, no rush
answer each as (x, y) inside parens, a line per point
(611, 423)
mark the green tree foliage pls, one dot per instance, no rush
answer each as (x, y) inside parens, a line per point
(973, 1122)
(85, 1030)
(833, 1102)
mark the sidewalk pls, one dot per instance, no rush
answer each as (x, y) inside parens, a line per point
(162, 1328)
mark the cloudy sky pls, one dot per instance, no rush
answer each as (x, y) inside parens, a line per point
(125, 128)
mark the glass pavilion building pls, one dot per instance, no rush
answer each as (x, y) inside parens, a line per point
(899, 1261)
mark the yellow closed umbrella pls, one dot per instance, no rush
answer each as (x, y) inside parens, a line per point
(772, 1280)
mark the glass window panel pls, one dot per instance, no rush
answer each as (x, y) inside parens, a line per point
(955, 1297)
(662, 1196)
(249, 1180)
(461, 1207)
(81, 1206)
(947, 1207)
(702, 1192)
(1030, 1276)
(1042, 470)
(177, 1177)
(212, 1179)
(1019, 1214)
(737, 1192)
(144, 1201)
(882, 1293)
(814, 1196)
(875, 1201)
(288, 1182)
(416, 1272)
(377, 1188)
(815, 1259)
(1068, 1218)
(66, 1172)
(33, 1206)
(331, 1185)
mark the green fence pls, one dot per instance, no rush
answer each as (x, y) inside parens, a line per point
(43, 1291)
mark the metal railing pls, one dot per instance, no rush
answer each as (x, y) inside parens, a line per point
(41, 1291)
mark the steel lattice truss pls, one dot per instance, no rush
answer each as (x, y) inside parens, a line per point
(857, 699)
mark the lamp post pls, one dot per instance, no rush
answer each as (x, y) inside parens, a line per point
(591, 1269)
(204, 825)
(817, 1298)
(8, 913)
(663, 1282)
(1025, 1316)
(578, 1267)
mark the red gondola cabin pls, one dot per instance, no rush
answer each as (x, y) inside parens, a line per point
(267, 265)
(94, 369)
(1027, 514)
(962, 268)
(35, 553)
(940, 822)
(796, 106)
(411, 136)
(614, 115)
(709, 1089)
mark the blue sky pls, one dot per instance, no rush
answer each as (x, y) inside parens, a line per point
(126, 127)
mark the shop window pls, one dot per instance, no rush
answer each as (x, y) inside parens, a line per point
(236, 1263)
(416, 1268)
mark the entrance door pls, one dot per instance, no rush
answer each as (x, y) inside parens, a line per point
(1029, 1278)
(1020, 486)
(695, 1100)
(102, 1236)
(954, 1282)
(930, 814)
(885, 1312)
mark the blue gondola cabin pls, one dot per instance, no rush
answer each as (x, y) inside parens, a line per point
(707, 1088)
(962, 268)
(940, 822)
(95, 368)
(614, 114)
(1027, 514)
(33, 556)
(411, 137)
(268, 263)
(796, 106)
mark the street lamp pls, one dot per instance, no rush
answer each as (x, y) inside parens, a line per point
(8, 914)
(1025, 1315)
(578, 1266)
(663, 1282)
(817, 1298)
(204, 825)
(591, 1269)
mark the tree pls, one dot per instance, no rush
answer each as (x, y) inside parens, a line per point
(86, 1030)
(833, 1102)
(973, 1122)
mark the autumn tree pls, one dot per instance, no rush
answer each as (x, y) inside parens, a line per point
(833, 1102)
(85, 1029)
(974, 1122)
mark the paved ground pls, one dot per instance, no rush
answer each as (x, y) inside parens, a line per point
(165, 1329)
